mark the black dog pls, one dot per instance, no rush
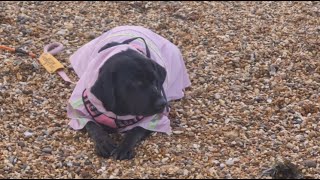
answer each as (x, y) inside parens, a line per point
(124, 87)
(128, 83)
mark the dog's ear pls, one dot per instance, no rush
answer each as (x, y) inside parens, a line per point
(104, 89)
(161, 73)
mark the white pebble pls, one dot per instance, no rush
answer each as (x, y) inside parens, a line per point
(28, 134)
(185, 172)
(217, 96)
(164, 160)
(177, 132)
(216, 162)
(230, 162)
(222, 165)
(196, 146)
(227, 121)
(69, 164)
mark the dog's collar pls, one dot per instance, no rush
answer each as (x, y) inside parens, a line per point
(108, 118)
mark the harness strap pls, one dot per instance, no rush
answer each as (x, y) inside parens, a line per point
(104, 119)
(132, 39)
(109, 45)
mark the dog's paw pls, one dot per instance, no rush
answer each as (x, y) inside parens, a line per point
(123, 153)
(104, 148)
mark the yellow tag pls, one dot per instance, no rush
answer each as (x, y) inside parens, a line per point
(50, 63)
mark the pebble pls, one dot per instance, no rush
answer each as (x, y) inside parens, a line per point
(177, 132)
(47, 150)
(227, 120)
(290, 146)
(102, 169)
(21, 144)
(40, 138)
(228, 176)
(199, 176)
(230, 162)
(28, 134)
(79, 156)
(258, 99)
(217, 96)
(299, 137)
(87, 162)
(35, 65)
(202, 80)
(46, 132)
(62, 32)
(13, 160)
(212, 171)
(26, 31)
(24, 166)
(273, 69)
(222, 102)
(164, 160)
(216, 162)
(78, 18)
(222, 165)
(185, 172)
(85, 174)
(191, 134)
(173, 170)
(226, 39)
(90, 35)
(69, 164)
(69, 26)
(196, 146)
(310, 163)
(22, 19)
(269, 100)
(77, 164)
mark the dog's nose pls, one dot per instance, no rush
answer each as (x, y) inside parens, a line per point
(160, 104)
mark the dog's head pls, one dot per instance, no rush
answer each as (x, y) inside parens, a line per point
(130, 84)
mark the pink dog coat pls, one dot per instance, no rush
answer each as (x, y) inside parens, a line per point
(86, 62)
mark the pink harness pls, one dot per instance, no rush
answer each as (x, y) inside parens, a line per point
(104, 119)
